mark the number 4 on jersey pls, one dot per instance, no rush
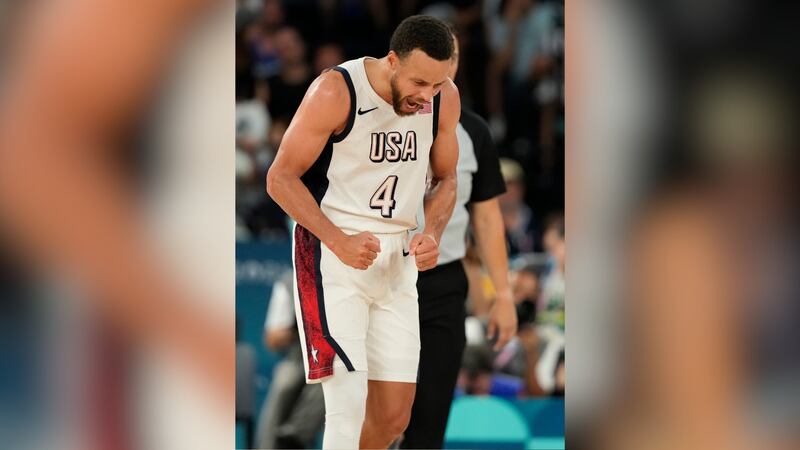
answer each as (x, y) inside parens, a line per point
(383, 198)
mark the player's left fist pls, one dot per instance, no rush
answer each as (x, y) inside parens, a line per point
(425, 250)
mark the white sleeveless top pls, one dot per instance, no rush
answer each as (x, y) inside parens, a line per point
(372, 175)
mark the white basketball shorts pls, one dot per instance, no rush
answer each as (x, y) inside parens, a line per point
(350, 319)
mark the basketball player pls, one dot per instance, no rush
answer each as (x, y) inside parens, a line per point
(443, 290)
(351, 170)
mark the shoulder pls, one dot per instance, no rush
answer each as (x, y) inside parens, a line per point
(327, 101)
(449, 104)
(330, 87)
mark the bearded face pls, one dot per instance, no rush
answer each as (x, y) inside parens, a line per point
(404, 105)
(415, 79)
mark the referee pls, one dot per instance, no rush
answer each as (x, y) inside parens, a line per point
(443, 290)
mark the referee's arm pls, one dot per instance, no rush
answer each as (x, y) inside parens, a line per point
(487, 225)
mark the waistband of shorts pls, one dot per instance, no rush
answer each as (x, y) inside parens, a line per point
(377, 233)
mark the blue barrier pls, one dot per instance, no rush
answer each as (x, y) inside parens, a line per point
(544, 416)
(258, 266)
(485, 423)
(496, 423)
(241, 436)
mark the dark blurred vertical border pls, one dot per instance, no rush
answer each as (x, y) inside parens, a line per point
(682, 209)
(116, 224)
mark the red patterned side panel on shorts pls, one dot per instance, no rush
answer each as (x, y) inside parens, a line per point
(319, 351)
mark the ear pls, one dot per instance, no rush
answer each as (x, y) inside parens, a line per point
(393, 59)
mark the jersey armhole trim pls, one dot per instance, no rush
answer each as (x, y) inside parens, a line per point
(351, 117)
(436, 100)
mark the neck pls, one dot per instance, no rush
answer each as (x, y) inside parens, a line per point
(378, 75)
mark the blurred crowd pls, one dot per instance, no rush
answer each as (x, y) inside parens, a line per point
(532, 363)
(512, 53)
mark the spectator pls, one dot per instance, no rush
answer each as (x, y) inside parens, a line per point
(545, 344)
(552, 306)
(526, 287)
(519, 32)
(252, 126)
(327, 55)
(262, 216)
(549, 89)
(294, 412)
(526, 290)
(246, 12)
(469, 29)
(245, 78)
(289, 85)
(258, 215)
(544, 352)
(517, 216)
(537, 355)
(363, 27)
(253, 154)
(260, 38)
(475, 376)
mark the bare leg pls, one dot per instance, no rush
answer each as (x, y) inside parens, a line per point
(388, 412)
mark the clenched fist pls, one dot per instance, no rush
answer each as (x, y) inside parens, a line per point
(359, 250)
(425, 249)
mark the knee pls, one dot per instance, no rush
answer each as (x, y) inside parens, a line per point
(394, 421)
(345, 404)
(345, 395)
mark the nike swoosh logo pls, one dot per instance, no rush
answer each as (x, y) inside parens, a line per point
(405, 253)
(360, 112)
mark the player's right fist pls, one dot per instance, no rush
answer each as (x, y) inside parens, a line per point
(359, 250)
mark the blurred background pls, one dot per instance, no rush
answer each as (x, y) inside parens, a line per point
(681, 209)
(682, 216)
(512, 74)
(116, 232)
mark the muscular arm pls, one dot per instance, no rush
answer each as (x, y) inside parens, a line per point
(323, 112)
(441, 198)
(487, 222)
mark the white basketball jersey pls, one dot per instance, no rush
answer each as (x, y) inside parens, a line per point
(372, 175)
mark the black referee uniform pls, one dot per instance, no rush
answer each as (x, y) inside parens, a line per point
(443, 290)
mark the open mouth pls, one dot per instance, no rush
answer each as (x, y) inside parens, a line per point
(413, 105)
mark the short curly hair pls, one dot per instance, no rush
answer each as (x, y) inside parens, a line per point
(426, 33)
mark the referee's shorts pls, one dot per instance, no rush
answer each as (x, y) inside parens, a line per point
(442, 295)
